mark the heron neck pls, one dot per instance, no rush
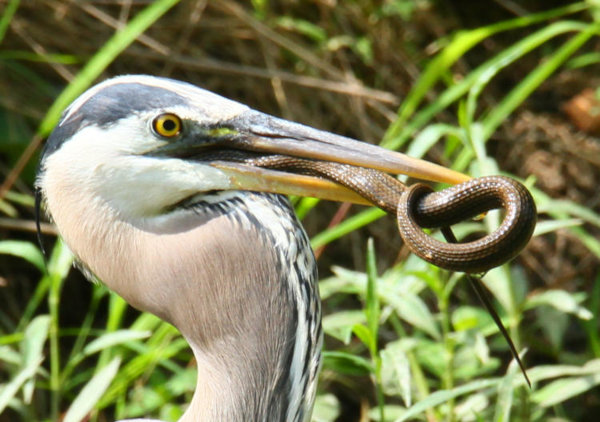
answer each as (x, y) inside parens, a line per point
(237, 278)
(257, 353)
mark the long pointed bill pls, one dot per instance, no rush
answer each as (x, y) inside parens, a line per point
(264, 134)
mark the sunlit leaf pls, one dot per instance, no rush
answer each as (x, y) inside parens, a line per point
(91, 392)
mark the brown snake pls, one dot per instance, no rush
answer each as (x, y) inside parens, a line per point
(418, 207)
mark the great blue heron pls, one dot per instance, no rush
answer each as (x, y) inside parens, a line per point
(174, 234)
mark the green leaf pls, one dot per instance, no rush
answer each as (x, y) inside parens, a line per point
(471, 317)
(433, 356)
(392, 412)
(557, 207)
(472, 407)
(32, 347)
(413, 310)
(10, 356)
(562, 390)
(534, 79)
(443, 396)
(35, 337)
(20, 198)
(92, 392)
(7, 16)
(60, 261)
(114, 338)
(544, 372)
(35, 57)
(505, 394)
(347, 226)
(395, 369)
(183, 381)
(25, 250)
(339, 324)
(550, 226)
(372, 305)
(364, 335)
(12, 387)
(498, 282)
(354, 284)
(32, 344)
(304, 27)
(304, 206)
(327, 408)
(347, 363)
(585, 59)
(163, 345)
(560, 300)
(430, 136)
(401, 129)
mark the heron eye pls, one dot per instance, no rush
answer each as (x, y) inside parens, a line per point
(167, 125)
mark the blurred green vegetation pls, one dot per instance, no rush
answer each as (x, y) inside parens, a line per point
(482, 87)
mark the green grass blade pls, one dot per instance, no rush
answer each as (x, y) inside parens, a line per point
(34, 57)
(463, 42)
(32, 347)
(505, 394)
(327, 408)
(91, 393)
(304, 206)
(7, 16)
(35, 337)
(10, 390)
(347, 226)
(58, 268)
(585, 59)
(443, 396)
(36, 298)
(561, 300)
(339, 324)
(534, 79)
(550, 226)
(561, 390)
(347, 363)
(116, 312)
(453, 93)
(592, 324)
(546, 372)
(372, 300)
(396, 376)
(164, 344)
(26, 250)
(411, 308)
(100, 61)
(113, 339)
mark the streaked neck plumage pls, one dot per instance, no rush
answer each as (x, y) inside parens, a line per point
(234, 273)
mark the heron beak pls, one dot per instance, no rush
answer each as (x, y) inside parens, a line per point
(263, 133)
(260, 133)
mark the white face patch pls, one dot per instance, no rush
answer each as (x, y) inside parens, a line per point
(107, 159)
(109, 165)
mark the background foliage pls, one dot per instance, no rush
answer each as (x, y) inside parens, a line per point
(484, 87)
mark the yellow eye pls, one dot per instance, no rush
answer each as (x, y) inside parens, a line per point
(167, 125)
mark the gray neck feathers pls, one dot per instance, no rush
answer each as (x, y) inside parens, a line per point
(240, 284)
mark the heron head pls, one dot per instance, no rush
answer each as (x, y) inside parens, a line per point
(135, 142)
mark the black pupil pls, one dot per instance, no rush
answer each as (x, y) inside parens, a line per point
(169, 125)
